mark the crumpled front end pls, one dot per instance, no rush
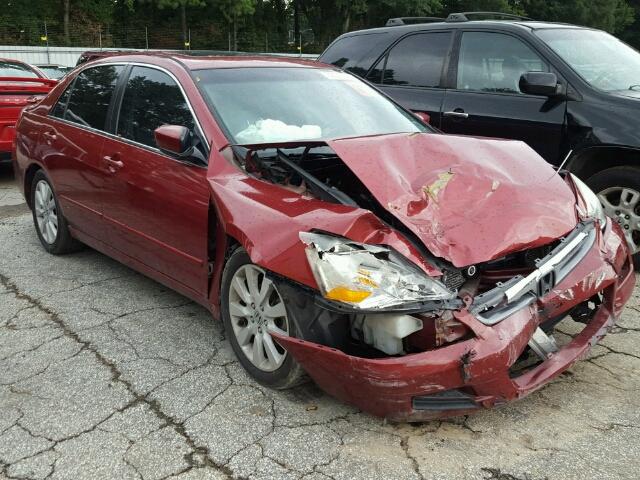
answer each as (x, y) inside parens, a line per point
(425, 273)
(483, 371)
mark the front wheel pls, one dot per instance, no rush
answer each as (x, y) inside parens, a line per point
(618, 189)
(252, 309)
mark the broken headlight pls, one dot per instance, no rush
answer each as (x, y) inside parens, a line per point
(590, 207)
(367, 276)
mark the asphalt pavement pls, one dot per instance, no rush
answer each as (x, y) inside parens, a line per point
(105, 374)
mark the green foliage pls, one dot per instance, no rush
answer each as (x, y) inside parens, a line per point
(269, 24)
(232, 9)
(610, 15)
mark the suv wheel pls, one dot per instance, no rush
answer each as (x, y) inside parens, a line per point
(619, 191)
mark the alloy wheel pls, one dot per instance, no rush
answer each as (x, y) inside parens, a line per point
(46, 212)
(622, 204)
(257, 310)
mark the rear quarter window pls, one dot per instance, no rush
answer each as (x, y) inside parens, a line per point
(356, 53)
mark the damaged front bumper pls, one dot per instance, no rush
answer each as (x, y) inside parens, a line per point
(477, 373)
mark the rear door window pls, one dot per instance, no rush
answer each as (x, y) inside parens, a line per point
(151, 99)
(494, 62)
(91, 96)
(417, 60)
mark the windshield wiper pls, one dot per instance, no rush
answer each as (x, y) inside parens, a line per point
(634, 87)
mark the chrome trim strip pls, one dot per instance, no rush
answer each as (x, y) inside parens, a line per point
(133, 142)
(507, 298)
(531, 280)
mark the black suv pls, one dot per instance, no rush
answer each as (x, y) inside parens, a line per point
(569, 92)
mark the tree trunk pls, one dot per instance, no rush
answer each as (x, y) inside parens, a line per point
(235, 32)
(346, 21)
(65, 21)
(296, 20)
(183, 22)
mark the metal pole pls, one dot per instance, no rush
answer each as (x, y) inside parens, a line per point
(189, 39)
(266, 42)
(229, 39)
(100, 36)
(146, 37)
(46, 35)
(300, 45)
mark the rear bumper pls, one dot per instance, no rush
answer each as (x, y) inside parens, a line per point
(7, 137)
(473, 374)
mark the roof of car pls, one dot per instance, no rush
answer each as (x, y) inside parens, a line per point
(523, 24)
(200, 62)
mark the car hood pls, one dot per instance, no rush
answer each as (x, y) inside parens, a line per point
(468, 200)
(635, 94)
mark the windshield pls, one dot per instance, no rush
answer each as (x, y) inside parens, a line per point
(262, 105)
(10, 69)
(601, 59)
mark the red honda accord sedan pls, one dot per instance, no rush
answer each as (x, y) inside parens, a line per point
(337, 236)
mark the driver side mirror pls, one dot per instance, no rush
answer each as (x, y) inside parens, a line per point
(424, 116)
(540, 83)
(174, 139)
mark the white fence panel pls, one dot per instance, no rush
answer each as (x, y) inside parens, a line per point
(68, 56)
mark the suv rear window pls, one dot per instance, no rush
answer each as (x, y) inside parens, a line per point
(91, 96)
(356, 53)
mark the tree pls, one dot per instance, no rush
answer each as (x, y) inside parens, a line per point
(503, 6)
(232, 9)
(610, 15)
(182, 5)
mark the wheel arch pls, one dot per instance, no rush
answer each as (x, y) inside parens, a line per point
(29, 173)
(592, 160)
(220, 246)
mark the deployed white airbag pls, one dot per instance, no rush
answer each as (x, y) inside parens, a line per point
(269, 130)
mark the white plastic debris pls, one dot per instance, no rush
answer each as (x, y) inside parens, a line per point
(269, 130)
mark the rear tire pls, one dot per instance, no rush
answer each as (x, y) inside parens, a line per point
(248, 317)
(51, 226)
(619, 191)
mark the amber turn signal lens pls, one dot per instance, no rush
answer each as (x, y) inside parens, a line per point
(344, 294)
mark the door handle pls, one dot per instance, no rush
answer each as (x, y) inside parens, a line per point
(457, 113)
(50, 136)
(113, 164)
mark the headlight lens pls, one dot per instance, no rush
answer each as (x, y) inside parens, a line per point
(367, 276)
(590, 201)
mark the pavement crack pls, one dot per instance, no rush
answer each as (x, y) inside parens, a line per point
(497, 474)
(116, 377)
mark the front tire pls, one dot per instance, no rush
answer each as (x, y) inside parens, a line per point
(51, 226)
(619, 191)
(251, 309)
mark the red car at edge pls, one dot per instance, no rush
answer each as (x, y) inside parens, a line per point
(20, 85)
(337, 236)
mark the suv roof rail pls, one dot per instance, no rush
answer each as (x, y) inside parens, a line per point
(464, 16)
(394, 22)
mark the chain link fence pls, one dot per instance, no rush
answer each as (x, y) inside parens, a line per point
(214, 36)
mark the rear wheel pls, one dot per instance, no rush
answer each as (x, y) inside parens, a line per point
(51, 226)
(252, 309)
(619, 192)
